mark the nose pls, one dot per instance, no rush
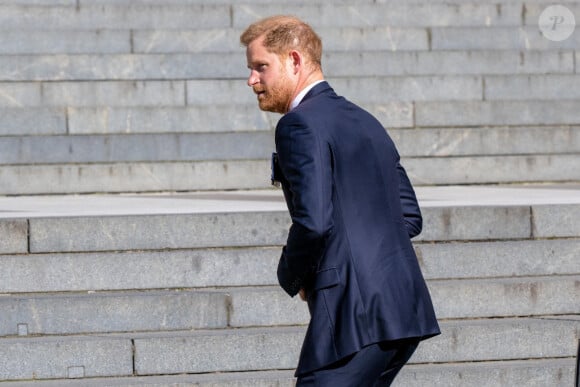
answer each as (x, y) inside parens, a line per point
(253, 78)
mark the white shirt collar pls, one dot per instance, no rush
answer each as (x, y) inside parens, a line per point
(296, 101)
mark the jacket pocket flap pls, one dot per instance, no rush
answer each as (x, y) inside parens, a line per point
(326, 278)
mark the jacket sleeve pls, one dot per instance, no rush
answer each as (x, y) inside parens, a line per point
(409, 204)
(305, 165)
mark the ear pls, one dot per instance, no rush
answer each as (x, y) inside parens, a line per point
(296, 61)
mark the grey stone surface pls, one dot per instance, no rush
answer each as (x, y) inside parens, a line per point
(498, 195)
(533, 87)
(533, 11)
(283, 378)
(259, 348)
(368, 90)
(371, 63)
(373, 38)
(157, 232)
(88, 16)
(561, 221)
(91, 94)
(390, 89)
(32, 121)
(40, 2)
(113, 312)
(534, 373)
(254, 349)
(14, 42)
(99, 67)
(497, 38)
(135, 177)
(14, 236)
(266, 307)
(154, 147)
(475, 223)
(250, 229)
(257, 266)
(207, 92)
(171, 41)
(501, 339)
(496, 113)
(139, 270)
(505, 297)
(488, 141)
(227, 40)
(17, 95)
(56, 357)
(392, 114)
(492, 169)
(452, 300)
(499, 259)
(394, 15)
(190, 119)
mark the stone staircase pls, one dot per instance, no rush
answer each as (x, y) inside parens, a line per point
(180, 289)
(169, 288)
(150, 96)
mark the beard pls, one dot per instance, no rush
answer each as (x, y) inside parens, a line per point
(276, 98)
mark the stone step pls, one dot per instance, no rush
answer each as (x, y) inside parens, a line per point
(420, 89)
(221, 379)
(523, 38)
(259, 349)
(218, 171)
(253, 174)
(178, 66)
(247, 117)
(89, 16)
(168, 119)
(493, 169)
(367, 90)
(199, 268)
(394, 14)
(427, 101)
(496, 113)
(499, 259)
(452, 299)
(179, 221)
(529, 373)
(426, 41)
(65, 314)
(65, 357)
(154, 147)
(532, 373)
(137, 232)
(525, 140)
(228, 2)
(256, 266)
(122, 148)
(62, 314)
(135, 177)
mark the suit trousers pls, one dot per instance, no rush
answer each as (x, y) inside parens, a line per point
(375, 365)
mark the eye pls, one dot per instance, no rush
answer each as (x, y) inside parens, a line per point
(261, 67)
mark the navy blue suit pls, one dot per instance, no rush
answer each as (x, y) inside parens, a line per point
(353, 213)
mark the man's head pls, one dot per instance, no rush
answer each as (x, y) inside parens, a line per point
(284, 56)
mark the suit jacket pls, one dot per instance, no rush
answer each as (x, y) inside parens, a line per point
(353, 213)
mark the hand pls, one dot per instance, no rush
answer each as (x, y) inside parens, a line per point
(302, 294)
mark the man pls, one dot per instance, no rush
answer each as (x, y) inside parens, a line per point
(353, 211)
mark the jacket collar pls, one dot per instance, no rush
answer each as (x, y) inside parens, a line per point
(318, 89)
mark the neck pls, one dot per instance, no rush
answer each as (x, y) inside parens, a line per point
(303, 82)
